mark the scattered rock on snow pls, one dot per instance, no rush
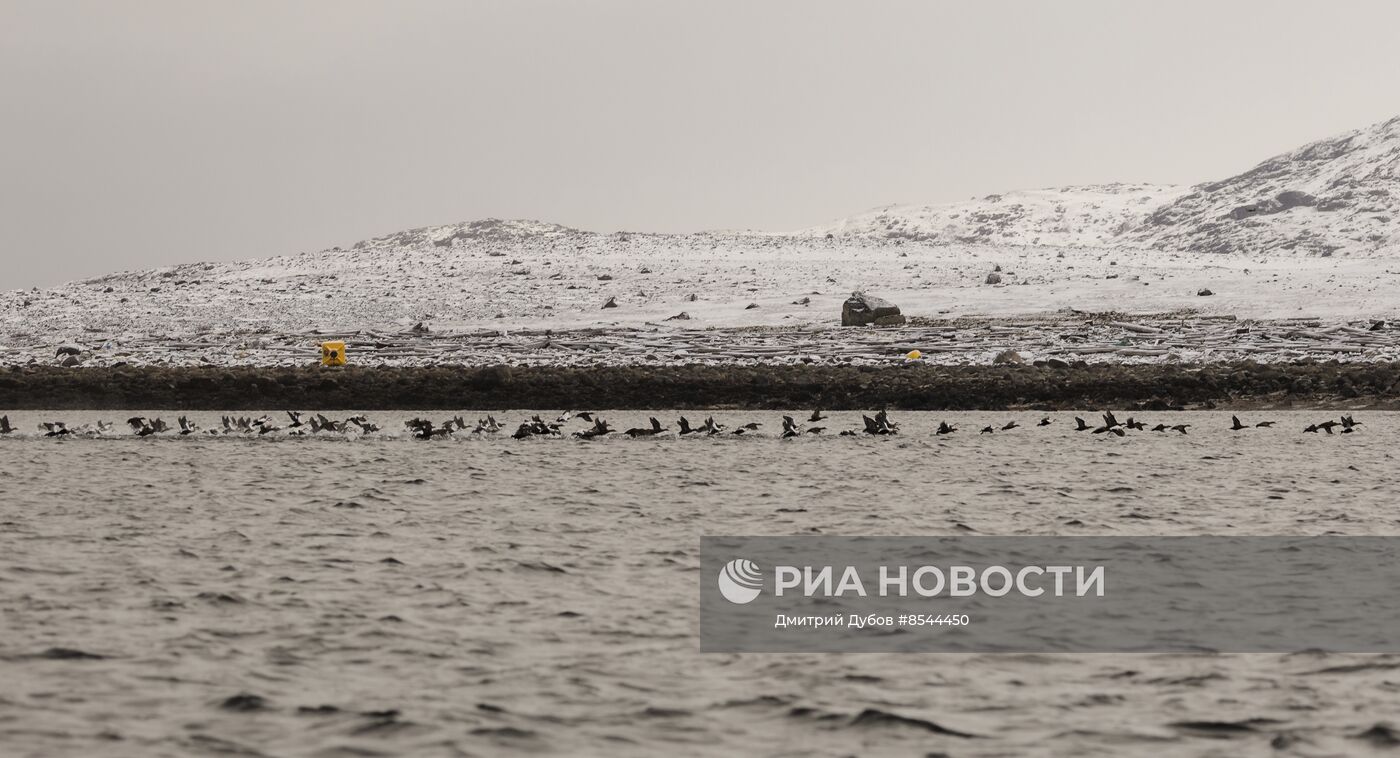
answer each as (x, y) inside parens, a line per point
(1009, 357)
(1204, 292)
(993, 278)
(861, 309)
(611, 303)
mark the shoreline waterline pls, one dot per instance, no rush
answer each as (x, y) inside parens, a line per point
(1233, 385)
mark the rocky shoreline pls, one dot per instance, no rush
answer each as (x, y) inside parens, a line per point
(916, 387)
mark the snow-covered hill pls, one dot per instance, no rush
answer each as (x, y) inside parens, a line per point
(1308, 234)
(1335, 196)
(1079, 216)
(500, 277)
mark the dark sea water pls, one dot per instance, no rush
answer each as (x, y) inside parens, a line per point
(479, 596)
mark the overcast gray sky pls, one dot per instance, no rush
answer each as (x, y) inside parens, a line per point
(149, 132)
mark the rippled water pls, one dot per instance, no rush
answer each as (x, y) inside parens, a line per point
(318, 597)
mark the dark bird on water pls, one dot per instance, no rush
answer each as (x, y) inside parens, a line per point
(1080, 426)
(1325, 426)
(537, 427)
(1131, 424)
(1009, 426)
(816, 416)
(943, 428)
(367, 427)
(880, 425)
(319, 423)
(986, 430)
(656, 428)
(144, 427)
(684, 425)
(1264, 424)
(296, 419)
(1044, 422)
(600, 428)
(423, 429)
(1235, 424)
(5, 427)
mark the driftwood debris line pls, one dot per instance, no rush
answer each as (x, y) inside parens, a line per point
(1198, 338)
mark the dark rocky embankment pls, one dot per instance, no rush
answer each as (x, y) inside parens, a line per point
(920, 387)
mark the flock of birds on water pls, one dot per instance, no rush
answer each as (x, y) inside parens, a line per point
(879, 425)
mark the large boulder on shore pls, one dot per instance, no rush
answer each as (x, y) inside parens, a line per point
(859, 310)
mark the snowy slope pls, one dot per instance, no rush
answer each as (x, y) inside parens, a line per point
(1335, 196)
(1133, 248)
(1082, 216)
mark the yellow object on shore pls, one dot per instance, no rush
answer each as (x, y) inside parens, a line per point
(332, 353)
(913, 355)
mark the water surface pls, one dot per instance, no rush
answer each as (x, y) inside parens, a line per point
(358, 596)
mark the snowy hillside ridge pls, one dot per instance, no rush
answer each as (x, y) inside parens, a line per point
(1338, 195)
(1080, 216)
(481, 230)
